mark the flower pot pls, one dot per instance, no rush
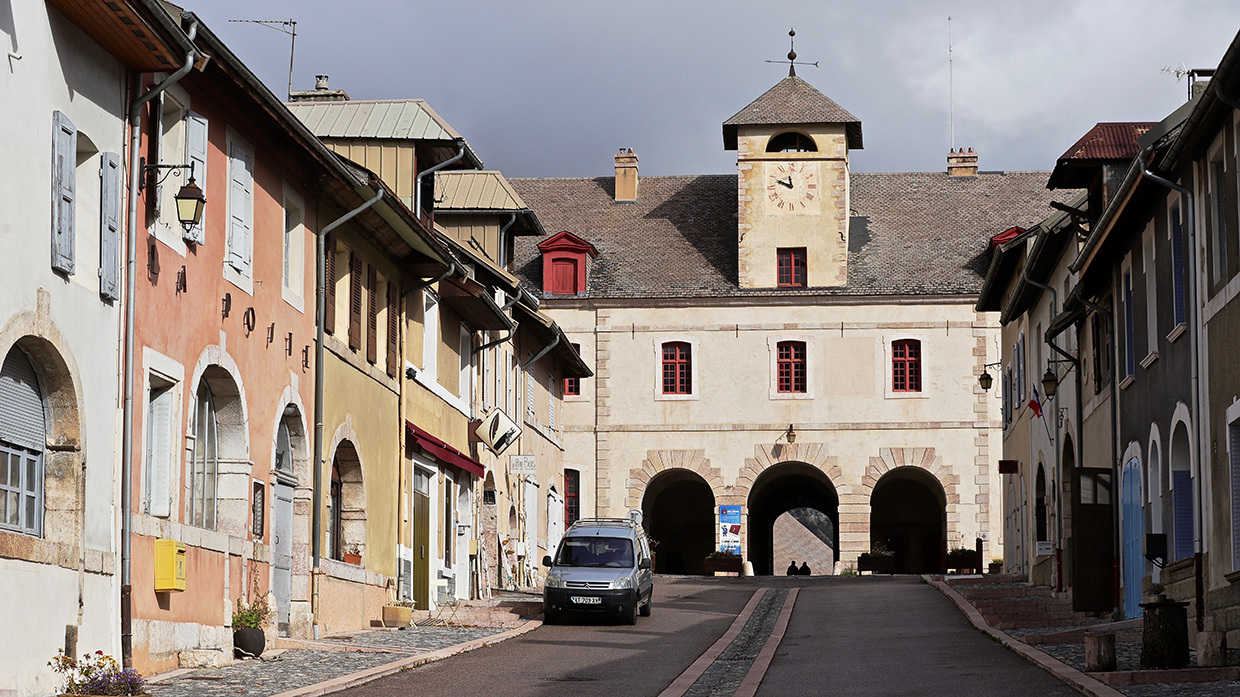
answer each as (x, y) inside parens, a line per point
(397, 616)
(355, 559)
(995, 567)
(716, 565)
(248, 642)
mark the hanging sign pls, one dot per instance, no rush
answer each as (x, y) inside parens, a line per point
(730, 529)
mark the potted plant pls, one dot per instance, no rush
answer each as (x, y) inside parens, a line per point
(96, 674)
(248, 622)
(398, 614)
(353, 555)
(723, 562)
(879, 560)
(963, 560)
(996, 566)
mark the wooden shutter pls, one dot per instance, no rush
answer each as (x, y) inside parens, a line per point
(393, 328)
(64, 191)
(196, 151)
(529, 397)
(1234, 448)
(159, 454)
(109, 225)
(240, 209)
(329, 283)
(1182, 502)
(564, 276)
(372, 314)
(355, 300)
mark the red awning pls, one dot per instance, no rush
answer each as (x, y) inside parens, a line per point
(444, 452)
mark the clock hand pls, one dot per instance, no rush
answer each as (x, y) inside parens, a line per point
(786, 183)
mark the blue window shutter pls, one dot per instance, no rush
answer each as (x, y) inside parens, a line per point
(64, 191)
(196, 152)
(1178, 267)
(109, 225)
(1182, 483)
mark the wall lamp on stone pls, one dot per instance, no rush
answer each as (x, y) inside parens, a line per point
(985, 380)
(190, 200)
(1050, 383)
(789, 436)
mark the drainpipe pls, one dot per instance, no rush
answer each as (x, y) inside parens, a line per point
(1190, 226)
(1024, 274)
(131, 264)
(511, 333)
(320, 303)
(452, 268)
(417, 196)
(547, 349)
(503, 248)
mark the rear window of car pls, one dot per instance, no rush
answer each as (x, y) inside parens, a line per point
(596, 551)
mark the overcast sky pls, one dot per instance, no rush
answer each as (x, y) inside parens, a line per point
(543, 88)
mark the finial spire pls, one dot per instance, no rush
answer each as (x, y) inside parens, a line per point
(792, 54)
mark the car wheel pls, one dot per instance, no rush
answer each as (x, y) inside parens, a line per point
(630, 617)
(645, 608)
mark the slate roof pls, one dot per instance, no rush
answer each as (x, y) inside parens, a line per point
(792, 101)
(913, 233)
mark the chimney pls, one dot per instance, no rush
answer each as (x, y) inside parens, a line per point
(961, 163)
(320, 93)
(626, 175)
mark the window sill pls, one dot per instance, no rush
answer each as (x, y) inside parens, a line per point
(293, 299)
(1128, 380)
(693, 397)
(1233, 577)
(792, 395)
(906, 395)
(441, 392)
(243, 283)
(1177, 332)
(1149, 360)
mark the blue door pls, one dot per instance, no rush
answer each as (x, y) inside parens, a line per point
(1133, 537)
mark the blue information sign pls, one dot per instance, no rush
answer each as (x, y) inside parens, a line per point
(730, 529)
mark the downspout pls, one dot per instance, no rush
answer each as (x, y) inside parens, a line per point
(131, 265)
(511, 333)
(1193, 339)
(452, 268)
(417, 195)
(503, 248)
(1110, 319)
(320, 303)
(546, 349)
(1024, 274)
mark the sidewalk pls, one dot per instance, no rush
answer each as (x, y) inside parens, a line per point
(334, 663)
(1060, 650)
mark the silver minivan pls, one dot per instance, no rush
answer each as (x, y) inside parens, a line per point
(601, 567)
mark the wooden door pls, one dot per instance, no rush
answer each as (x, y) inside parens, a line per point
(1093, 562)
(421, 549)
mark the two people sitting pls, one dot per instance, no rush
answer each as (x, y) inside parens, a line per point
(794, 571)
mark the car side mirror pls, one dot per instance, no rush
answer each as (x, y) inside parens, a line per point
(643, 564)
(547, 560)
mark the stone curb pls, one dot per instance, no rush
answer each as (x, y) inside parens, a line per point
(345, 682)
(757, 671)
(686, 679)
(1070, 676)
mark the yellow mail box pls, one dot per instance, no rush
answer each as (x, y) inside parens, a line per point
(169, 566)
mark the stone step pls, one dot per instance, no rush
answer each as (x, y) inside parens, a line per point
(988, 579)
(975, 594)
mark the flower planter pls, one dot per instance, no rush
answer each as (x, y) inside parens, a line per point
(248, 642)
(964, 561)
(397, 616)
(995, 567)
(876, 563)
(716, 565)
(354, 559)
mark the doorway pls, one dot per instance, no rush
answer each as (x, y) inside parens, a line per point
(908, 516)
(678, 512)
(778, 490)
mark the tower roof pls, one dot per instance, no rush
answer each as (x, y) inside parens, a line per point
(792, 101)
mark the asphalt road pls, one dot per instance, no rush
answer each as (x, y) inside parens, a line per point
(847, 636)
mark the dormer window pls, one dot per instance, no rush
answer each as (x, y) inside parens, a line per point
(565, 261)
(791, 141)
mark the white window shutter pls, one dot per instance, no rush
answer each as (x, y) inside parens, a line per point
(196, 152)
(240, 209)
(109, 225)
(551, 401)
(529, 397)
(159, 455)
(64, 191)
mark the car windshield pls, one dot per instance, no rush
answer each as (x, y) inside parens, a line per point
(614, 552)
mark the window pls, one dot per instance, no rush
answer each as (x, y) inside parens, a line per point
(1130, 350)
(564, 276)
(791, 142)
(240, 208)
(1217, 213)
(906, 365)
(572, 496)
(572, 386)
(790, 361)
(159, 448)
(1150, 279)
(182, 140)
(430, 337)
(204, 465)
(372, 314)
(1233, 451)
(530, 414)
(551, 400)
(1018, 374)
(1007, 396)
(23, 436)
(449, 522)
(467, 367)
(356, 285)
(564, 263)
(1039, 507)
(677, 368)
(335, 519)
(294, 244)
(791, 272)
(1102, 352)
(1179, 269)
(258, 504)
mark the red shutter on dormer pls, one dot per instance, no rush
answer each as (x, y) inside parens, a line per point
(564, 263)
(563, 276)
(355, 301)
(329, 304)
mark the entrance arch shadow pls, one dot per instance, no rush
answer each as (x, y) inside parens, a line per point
(678, 512)
(908, 516)
(781, 488)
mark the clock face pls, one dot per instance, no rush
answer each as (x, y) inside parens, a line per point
(792, 188)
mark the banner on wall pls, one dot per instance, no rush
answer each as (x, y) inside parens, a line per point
(730, 529)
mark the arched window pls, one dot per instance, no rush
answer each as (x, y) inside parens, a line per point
(23, 436)
(346, 507)
(906, 365)
(205, 463)
(790, 141)
(791, 366)
(677, 368)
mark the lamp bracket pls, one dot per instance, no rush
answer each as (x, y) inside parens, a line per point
(153, 170)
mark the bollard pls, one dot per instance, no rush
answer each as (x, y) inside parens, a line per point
(1164, 634)
(747, 568)
(1211, 649)
(1099, 652)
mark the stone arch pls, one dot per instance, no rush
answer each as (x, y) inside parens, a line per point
(292, 412)
(925, 458)
(768, 455)
(216, 363)
(346, 472)
(661, 460)
(678, 513)
(908, 515)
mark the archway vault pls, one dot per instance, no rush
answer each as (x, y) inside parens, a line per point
(892, 458)
(658, 461)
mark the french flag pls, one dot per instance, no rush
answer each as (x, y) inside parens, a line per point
(1035, 404)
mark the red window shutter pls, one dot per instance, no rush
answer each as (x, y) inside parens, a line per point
(372, 315)
(355, 301)
(906, 366)
(677, 368)
(329, 304)
(790, 366)
(393, 334)
(572, 496)
(564, 276)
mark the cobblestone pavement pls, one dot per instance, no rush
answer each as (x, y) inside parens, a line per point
(726, 673)
(294, 668)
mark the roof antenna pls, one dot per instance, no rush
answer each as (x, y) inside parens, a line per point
(287, 26)
(792, 55)
(951, 91)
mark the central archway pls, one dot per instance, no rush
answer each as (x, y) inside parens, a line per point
(782, 488)
(908, 516)
(678, 510)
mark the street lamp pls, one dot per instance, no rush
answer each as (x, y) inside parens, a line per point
(790, 435)
(1050, 383)
(190, 202)
(985, 380)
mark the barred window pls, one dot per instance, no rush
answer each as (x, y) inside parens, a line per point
(791, 372)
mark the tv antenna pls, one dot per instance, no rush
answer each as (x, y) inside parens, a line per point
(951, 86)
(286, 26)
(792, 55)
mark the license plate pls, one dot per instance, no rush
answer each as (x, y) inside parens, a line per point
(586, 600)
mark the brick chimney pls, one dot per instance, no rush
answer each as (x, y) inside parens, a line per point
(961, 163)
(626, 175)
(320, 93)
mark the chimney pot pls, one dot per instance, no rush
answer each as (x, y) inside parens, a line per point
(626, 175)
(961, 163)
(320, 82)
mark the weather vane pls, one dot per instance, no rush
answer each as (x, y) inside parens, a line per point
(792, 55)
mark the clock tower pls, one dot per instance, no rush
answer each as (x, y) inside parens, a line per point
(792, 148)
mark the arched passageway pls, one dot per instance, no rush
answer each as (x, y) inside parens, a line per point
(678, 511)
(908, 515)
(782, 488)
